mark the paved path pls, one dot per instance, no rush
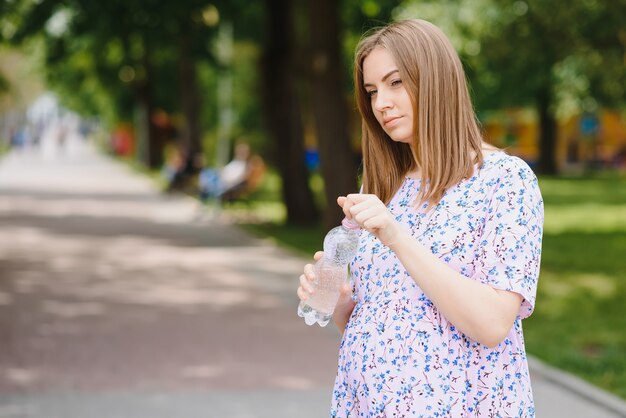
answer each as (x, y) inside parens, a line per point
(117, 301)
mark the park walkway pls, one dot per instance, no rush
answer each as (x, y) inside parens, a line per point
(117, 301)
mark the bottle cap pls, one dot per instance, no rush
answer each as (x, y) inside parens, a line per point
(349, 223)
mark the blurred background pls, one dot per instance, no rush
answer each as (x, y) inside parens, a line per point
(164, 85)
(172, 89)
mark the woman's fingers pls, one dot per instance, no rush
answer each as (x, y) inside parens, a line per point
(345, 204)
(308, 272)
(306, 285)
(307, 279)
(376, 222)
(354, 203)
(366, 214)
(302, 294)
(360, 197)
(371, 216)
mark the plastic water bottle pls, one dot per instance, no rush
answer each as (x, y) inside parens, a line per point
(340, 247)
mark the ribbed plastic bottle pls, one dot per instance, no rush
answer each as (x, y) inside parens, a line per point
(340, 247)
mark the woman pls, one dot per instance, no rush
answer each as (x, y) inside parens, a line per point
(448, 261)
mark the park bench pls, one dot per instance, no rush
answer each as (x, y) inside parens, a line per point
(253, 180)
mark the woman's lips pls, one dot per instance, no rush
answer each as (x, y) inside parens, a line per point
(388, 122)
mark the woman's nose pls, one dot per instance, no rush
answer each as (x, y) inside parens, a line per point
(382, 101)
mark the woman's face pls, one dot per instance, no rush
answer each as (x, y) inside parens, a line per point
(389, 99)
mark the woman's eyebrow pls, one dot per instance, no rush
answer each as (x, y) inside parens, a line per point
(386, 76)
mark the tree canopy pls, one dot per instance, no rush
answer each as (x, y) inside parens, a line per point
(126, 59)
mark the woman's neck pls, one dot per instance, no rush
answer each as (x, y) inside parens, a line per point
(414, 174)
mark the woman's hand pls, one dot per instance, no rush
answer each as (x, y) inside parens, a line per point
(307, 284)
(345, 304)
(372, 215)
(307, 280)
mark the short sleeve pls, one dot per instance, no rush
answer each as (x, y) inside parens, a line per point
(509, 253)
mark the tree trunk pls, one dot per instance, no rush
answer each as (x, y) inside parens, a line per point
(282, 112)
(547, 133)
(329, 108)
(151, 157)
(154, 142)
(190, 101)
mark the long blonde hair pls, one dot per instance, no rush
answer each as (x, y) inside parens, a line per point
(445, 126)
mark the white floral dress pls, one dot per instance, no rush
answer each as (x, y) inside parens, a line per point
(399, 356)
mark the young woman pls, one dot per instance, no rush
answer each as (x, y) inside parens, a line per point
(449, 257)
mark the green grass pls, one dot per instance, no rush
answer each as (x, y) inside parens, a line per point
(4, 147)
(140, 168)
(305, 240)
(579, 323)
(263, 214)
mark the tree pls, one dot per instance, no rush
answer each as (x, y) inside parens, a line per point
(536, 53)
(129, 42)
(109, 35)
(281, 104)
(329, 89)
(330, 108)
(542, 39)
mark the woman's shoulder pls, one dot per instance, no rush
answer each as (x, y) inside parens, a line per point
(499, 164)
(510, 178)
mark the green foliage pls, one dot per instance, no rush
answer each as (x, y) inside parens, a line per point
(110, 58)
(264, 215)
(580, 314)
(88, 84)
(248, 124)
(119, 45)
(4, 147)
(514, 50)
(4, 85)
(359, 16)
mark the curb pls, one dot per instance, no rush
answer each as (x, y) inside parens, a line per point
(576, 385)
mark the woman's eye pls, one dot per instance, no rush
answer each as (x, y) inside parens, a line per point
(371, 93)
(396, 82)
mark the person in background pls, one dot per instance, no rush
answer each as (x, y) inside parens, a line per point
(235, 172)
(449, 256)
(230, 178)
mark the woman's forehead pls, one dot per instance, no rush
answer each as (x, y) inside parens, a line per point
(378, 64)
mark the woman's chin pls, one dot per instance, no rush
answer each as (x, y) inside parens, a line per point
(399, 139)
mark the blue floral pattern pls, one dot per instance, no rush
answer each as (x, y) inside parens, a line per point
(399, 356)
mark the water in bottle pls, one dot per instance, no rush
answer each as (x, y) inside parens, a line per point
(340, 247)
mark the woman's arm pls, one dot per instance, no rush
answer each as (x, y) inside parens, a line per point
(478, 310)
(481, 312)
